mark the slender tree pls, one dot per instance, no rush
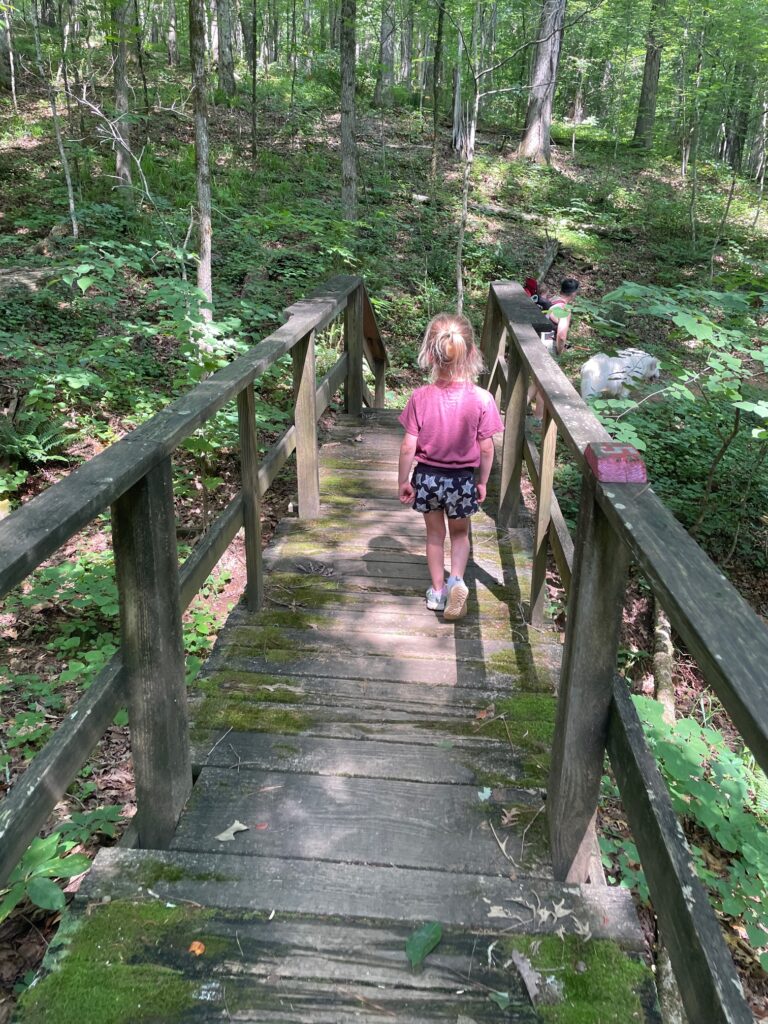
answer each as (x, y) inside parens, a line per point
(202, 152)
(348, 142)
(121, 17)
(382, 94)
(535, 144)
(436, 75)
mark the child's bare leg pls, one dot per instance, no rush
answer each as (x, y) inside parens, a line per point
(459, 531)
(435, 524)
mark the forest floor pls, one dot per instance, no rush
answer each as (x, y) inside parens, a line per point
(273, 241)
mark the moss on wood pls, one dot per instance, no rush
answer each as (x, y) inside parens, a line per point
(600, 981)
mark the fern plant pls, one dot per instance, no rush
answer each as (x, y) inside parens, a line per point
(31, 436)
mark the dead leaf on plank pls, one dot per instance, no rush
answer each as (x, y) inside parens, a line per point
(197, 948)
(228, 835)
(509, 816)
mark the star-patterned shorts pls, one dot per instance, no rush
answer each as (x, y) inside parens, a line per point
(450, 489)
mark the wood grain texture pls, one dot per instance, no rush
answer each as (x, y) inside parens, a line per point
(146, 565)
(251, 504)
(464, 899)
(589, 662)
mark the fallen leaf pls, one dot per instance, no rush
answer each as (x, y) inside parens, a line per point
(261, 826)
(484, 793)
(228, 835)
(501, 999)
(488, 712)
(421, 943)
(197, 948)
(509, 816)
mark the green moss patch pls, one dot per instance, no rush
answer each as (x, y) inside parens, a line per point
(102, 977)
(600, 981)
(247, 702)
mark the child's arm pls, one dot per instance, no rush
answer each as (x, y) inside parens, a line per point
(486, 461)
(407, 452)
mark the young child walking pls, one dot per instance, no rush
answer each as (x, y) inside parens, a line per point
(449, 427)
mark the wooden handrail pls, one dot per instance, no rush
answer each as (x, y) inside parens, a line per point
(38, 529)
(729, 641)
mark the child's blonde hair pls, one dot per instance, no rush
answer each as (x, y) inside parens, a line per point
(449, 349)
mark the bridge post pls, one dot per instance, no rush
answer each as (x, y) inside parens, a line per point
(514, 438)
(305, 418)
(249, 483)
(544, 493)
(353, 343)
(589, 663)
(146, 562)
(492, 339)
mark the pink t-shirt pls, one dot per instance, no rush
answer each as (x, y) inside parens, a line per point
(450, 422)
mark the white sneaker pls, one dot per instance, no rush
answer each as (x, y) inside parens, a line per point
(435, 599)
(456, 604)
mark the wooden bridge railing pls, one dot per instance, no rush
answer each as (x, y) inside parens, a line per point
(134, 477)
(618, 523)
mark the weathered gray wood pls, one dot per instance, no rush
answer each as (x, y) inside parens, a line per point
(353, 346)
(305, 419)
(492, 342)
(146, 562)
(333, 294)
(249, 482)
(367, 759)
(725, 636)
(539, 667)
(514, 433)
(708, 981)
(348, 820)
(467, 900)
(559, 534)
(206, 554)
(374, 350)
(544, 495)
(589, 662)
(34, 794)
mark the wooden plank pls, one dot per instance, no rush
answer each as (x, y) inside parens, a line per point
(464, 899)
(251, 505)
(353, 345)
(347, 820)
(305, 419)
(514, 432)
(333, 294)
(375, 641)
(589, 662)
(376, 351)
(146, 564)
(537, 667)
(35, 793)
(725, 636)
(355, 758)
(703, 968)
(544, 495)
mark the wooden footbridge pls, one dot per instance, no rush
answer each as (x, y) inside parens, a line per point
(351, 777)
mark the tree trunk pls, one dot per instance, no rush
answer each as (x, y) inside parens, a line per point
(737, 118)
(458, 134)
(535, 144)
(406, 46)
(170, 38)
(348, 142)
(226, 64)
(202, 156)
(7, 61)
(646, 108)
(46, 77)
(382, 95)
(121, 22)
(436, 85)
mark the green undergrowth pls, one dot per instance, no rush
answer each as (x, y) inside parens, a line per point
(600, 981)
